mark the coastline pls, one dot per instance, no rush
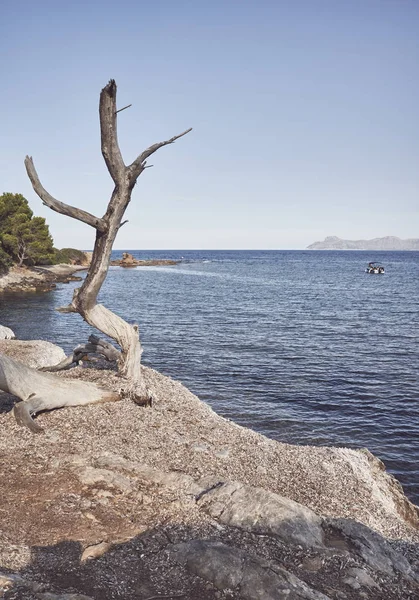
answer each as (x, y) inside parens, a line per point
(38, 279)
(45, 278)
(175, 485)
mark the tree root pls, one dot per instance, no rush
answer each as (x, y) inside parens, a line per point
(81, 353)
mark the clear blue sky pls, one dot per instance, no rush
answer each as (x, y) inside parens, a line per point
(305, 116)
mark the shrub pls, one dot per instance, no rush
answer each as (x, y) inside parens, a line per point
(69, 256)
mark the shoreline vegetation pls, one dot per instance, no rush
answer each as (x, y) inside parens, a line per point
(29, 262)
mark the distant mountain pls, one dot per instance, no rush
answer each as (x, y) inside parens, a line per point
(385, 243)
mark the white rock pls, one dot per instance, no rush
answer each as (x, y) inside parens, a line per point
(35, 354)
(6, 333)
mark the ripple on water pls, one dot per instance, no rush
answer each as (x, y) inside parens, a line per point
(301, 346)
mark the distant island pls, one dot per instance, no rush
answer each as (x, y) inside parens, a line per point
(385, 243)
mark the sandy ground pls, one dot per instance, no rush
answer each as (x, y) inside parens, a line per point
(50, 514)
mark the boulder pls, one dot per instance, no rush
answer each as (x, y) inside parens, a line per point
(35, 354)
(6, 333)
(127, 260)
(263, 512)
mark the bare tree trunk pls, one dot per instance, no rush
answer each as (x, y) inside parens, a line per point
(21, 254)
(34, 389)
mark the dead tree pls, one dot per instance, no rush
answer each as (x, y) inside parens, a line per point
(84, 299)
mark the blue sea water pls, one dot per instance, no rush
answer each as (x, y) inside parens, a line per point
(302, 346)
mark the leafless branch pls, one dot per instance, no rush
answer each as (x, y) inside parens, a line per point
(121, 109)
(85, 298)
(66, 309)
(138, 165)
(61, 207)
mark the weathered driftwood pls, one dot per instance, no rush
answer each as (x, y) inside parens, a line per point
(42, 391)
(81, 352)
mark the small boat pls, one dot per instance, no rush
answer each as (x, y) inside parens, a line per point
(374, 268)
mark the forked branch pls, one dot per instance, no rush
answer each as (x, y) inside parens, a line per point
(136, 168)
(61, 207)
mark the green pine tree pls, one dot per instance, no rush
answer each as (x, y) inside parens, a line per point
(23, 237)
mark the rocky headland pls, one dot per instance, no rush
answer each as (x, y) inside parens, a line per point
(174, 501)
(385, 243)
(38, 279)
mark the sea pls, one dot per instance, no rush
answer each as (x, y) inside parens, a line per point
(302, 346)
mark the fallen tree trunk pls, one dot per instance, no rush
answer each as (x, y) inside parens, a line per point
(43, 391)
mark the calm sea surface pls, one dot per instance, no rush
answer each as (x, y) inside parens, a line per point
(304, 347)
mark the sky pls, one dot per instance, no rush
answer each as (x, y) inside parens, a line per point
(304, 115)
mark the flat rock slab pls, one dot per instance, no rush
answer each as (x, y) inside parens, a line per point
(260, 511)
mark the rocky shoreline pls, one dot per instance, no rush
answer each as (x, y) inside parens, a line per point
(45, 278)
(118, 501)
(38, 279)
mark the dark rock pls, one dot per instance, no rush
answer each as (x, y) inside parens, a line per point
(229, 568)
(375, 550)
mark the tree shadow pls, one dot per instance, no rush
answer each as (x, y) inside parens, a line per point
(138, 569)
(7, 402)
(143, 567)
